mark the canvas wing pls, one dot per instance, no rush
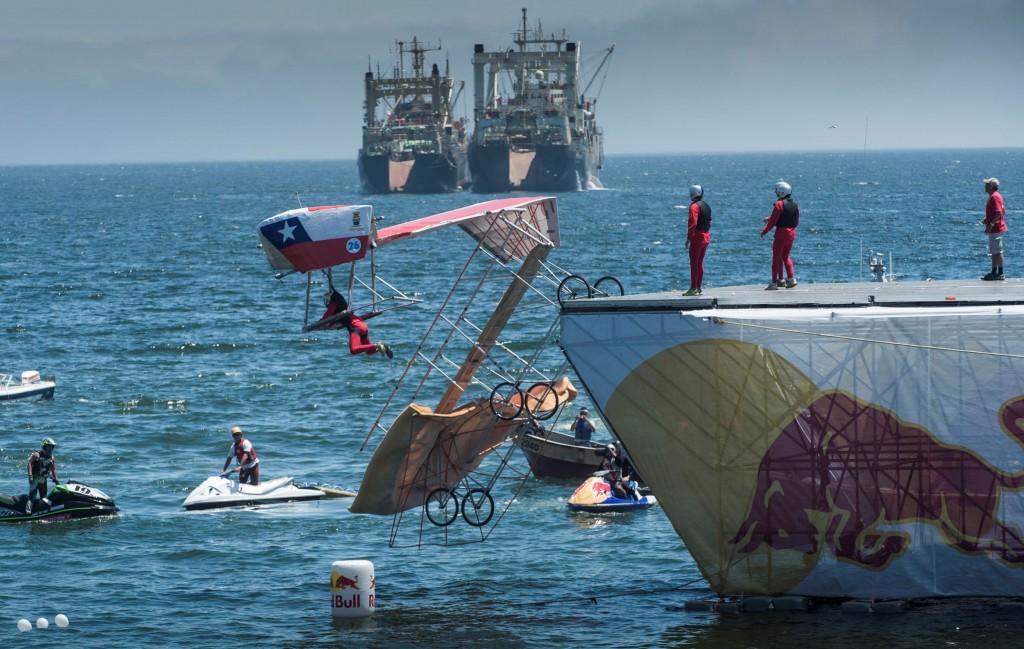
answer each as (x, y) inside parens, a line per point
(423, 451)
(505, 239)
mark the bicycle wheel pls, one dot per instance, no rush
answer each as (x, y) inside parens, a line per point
(573, 287)
(538, 401)
(506, 401)
(478, 507)
(611, 287)
(442, 507)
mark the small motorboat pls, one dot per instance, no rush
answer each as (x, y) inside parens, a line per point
(31, 386)
(595, 496)
(221, 491)
(66, 501)
(552, 454)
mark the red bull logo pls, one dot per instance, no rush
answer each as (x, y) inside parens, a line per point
(843, 470)
(340, 582)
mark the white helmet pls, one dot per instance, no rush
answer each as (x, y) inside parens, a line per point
(782, 189)
(696, 192)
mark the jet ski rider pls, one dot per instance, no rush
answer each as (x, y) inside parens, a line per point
(243, 451)
(619, 474)
(41, 465)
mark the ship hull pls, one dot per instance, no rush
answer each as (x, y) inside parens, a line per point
(547, 168)
(423, 173)
(834, 441)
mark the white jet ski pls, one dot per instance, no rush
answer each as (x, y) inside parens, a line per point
(220, 491)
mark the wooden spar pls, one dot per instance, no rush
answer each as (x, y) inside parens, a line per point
(330, 492)
(489, 334)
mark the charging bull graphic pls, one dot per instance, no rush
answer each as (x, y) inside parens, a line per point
(345, 582)
(842, 470)
(777, 484)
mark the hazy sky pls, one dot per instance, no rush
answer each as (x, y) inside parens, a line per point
(85, 81)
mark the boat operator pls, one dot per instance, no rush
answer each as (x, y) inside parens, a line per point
(41, 465)
(582, 428)
(243, 451)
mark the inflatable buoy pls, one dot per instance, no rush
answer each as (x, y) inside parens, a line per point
(353, 588)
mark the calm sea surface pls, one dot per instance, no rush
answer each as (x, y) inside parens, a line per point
(143, 289)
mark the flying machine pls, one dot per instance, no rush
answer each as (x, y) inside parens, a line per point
(326, 238)
(489, 353)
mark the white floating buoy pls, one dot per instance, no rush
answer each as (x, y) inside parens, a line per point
(353, 588)
(41, 623)
(61, 620)
(24, 625)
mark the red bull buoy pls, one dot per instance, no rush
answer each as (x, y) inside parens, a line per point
(353, 588)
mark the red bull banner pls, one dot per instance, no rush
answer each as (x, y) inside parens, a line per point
(870, 453)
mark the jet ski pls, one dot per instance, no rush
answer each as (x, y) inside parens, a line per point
(221, 491)
(596, 496)
(65, 502)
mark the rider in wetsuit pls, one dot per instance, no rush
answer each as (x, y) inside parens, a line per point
(41, 466)
(243, 451)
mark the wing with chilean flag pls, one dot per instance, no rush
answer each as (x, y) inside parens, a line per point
(310, 238)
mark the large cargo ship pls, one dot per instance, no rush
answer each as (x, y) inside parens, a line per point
(539, 133)
(831, 440)
(411, 141)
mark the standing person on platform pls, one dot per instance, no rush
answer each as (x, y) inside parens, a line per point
(784, 218)
(995, 227)
(698, 236)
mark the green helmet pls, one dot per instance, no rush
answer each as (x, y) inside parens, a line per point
(48, 441)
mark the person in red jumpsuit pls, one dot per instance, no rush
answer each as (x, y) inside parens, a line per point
(784, 218)
(995, 227)
(358, 333)
(698, 236)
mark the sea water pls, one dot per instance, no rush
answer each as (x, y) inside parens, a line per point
(144, 290)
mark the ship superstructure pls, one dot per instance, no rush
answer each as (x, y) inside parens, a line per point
(412, 142)
(534, 128)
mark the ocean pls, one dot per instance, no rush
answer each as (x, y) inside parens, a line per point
(143, 289)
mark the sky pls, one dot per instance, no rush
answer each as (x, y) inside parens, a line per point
(124, 81)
